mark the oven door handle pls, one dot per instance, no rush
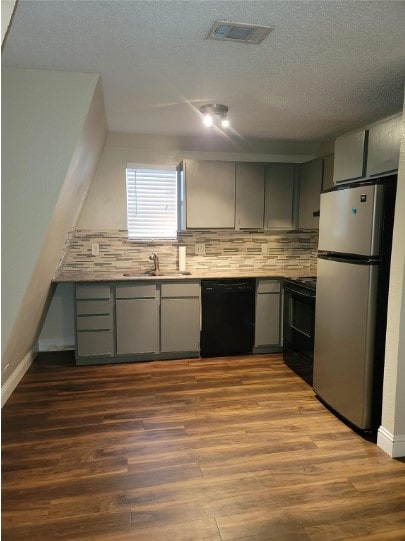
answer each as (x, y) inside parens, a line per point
(300, 294)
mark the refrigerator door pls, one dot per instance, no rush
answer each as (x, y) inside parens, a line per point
(344, 338)
(350, 220)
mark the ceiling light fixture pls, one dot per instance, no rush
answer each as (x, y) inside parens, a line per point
(238, 32)
(215, 113)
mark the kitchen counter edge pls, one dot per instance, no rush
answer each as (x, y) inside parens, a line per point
(78, 277)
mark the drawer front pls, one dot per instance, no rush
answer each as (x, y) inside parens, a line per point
(88, 308)
(181, 289)
(91, 344)
(136, 291)
(93, 291)
(268, 286)
(94, 323)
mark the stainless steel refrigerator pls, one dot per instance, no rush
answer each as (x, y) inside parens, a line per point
(354, 251)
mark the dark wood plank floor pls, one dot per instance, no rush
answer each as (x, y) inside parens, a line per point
(220, 449)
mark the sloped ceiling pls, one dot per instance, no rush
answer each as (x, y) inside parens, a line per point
(326, 68)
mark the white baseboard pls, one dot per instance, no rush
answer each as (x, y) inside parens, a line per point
(56, 344)
(393, 445)
(15, 378)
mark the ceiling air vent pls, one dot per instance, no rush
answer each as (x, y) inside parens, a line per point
(238, 32)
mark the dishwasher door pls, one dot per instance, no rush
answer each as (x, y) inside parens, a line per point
(228, 308)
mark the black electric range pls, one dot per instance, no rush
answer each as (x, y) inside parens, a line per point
(299, 325)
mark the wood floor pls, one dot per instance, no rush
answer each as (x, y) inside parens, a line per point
(220, 449)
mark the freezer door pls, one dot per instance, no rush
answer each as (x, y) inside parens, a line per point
(350, 220)
(344, 338)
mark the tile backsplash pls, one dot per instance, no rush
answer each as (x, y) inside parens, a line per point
(233, 250)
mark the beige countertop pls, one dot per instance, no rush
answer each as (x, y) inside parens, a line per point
(127, 276)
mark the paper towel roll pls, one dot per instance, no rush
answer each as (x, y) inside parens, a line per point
(182, 258)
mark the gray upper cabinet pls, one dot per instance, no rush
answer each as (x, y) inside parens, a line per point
(249, 210)
(279, 196)
(327, 180)
(350, 153)
(209, 194)
(383, 146)
(310, 190)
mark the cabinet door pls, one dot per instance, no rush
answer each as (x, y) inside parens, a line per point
(383, 146)
(310, 193)
(249, 196)
(349, 158)
(279, 199)
(267, 325)
(327, 179)
(137, 325)
(180, 325)
(210, 194)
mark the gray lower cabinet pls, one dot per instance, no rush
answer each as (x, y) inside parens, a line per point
(249, 210)
(279, 196)
(137, 318)
(268, 314)
(94, 321)
(137, 326)
(310, 194)
(179, 325)
(180, 316)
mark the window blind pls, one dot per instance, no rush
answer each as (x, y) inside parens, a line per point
(151, 203)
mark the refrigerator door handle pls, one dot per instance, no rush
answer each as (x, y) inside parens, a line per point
(349, 258)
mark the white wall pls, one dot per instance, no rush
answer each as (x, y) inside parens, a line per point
(53, 132)
(391, 435)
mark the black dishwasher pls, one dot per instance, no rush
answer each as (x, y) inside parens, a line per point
(228, 315)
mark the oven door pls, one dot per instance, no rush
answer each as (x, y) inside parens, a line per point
(299, 325)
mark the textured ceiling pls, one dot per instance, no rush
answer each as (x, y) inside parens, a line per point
(326, 68)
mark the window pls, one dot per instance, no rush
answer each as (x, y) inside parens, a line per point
(151, 202)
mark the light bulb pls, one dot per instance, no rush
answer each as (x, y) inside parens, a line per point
(225, 123)
(208, 120)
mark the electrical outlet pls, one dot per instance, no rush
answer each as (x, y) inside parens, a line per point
(199, 248)
(264, 249)
(95, 249)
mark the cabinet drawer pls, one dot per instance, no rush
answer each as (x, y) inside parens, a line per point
(88, 308)
(268, 286)
(181, 289)
(91, 344)
(93, 291)
(94, 323)
(136, 291)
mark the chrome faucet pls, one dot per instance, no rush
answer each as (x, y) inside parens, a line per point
(155, 260)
